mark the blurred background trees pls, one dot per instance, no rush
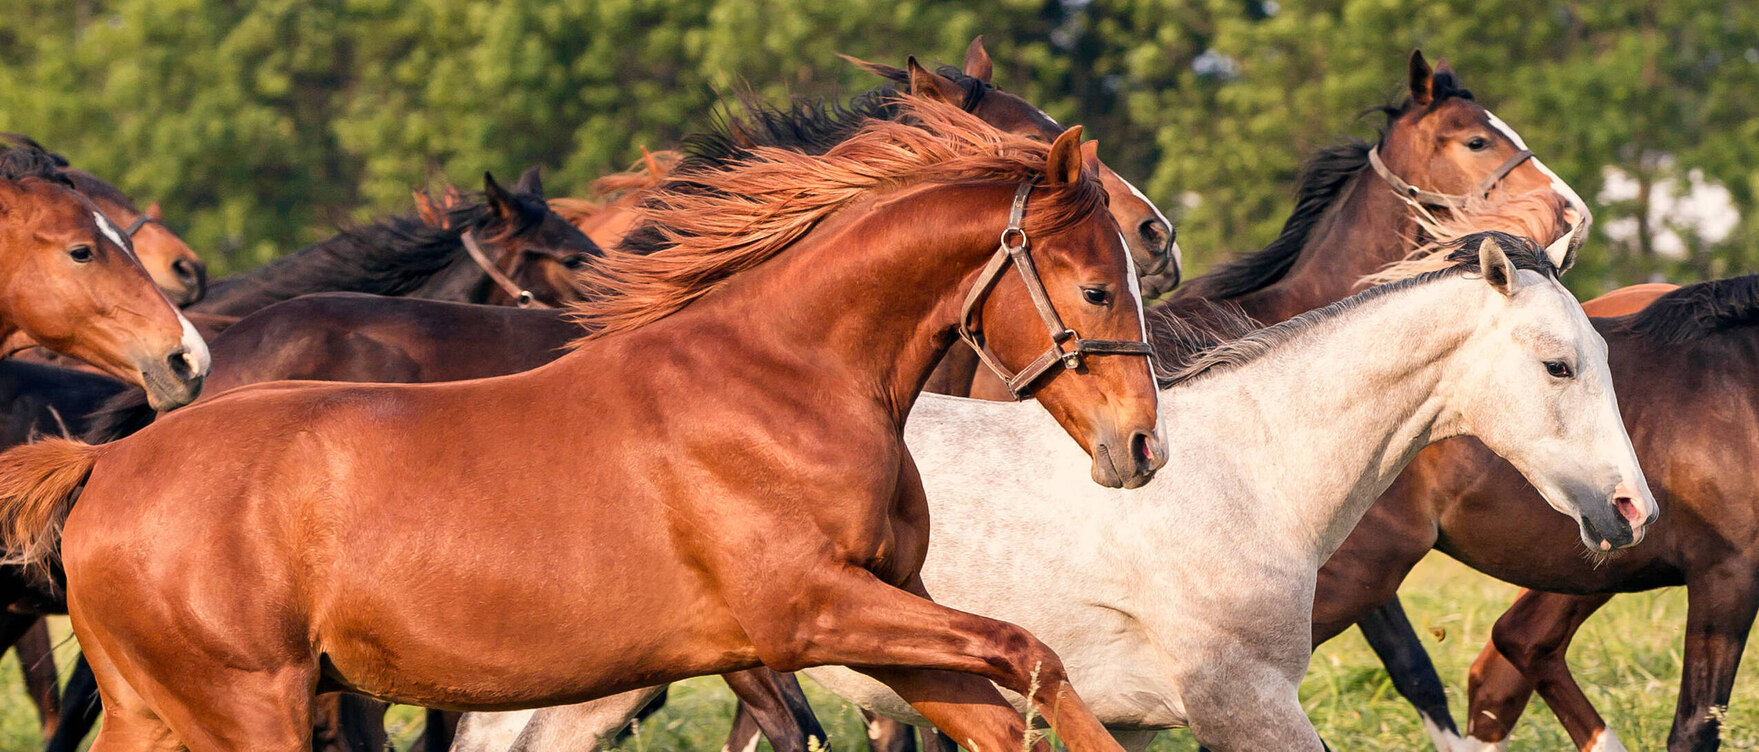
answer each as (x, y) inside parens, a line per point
(263, 125)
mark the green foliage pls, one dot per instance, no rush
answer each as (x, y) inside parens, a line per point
(262, 125)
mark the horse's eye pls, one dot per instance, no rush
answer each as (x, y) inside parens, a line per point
(1096, 295)
(81, 253)
(1558, 369)
(576, 261)
(1478, 143)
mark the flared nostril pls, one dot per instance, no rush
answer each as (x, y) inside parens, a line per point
(1155, 234)
(1142, 449)
(1632, 512)
(182, 364)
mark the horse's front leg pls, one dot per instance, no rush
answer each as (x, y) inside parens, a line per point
(1249, 708)
(1720, 605)
(774, 704)
(938, 659)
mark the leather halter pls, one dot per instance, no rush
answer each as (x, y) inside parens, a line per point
(1067, 347)
(523, 296)
(139, 222)
(1445, 200)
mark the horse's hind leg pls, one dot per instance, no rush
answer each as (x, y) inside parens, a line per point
(130, 726)
(775, 703)
(29, 635)
(1533, 636)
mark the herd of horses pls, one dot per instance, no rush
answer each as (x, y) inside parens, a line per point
(508, 453)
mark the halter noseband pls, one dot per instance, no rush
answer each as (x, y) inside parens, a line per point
(519, 294)
(1445, 200)
(1066, 347)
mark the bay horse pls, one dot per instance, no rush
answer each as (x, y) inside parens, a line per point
(173, 266)
(1689, 353)
(72, 284)
(407, 256)
(1192, 605)
(908, 211)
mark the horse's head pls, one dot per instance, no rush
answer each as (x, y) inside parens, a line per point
(1105, 397)
(1533, 384)
(1442, 146)
(1147, 232)
(533, 245)
(70, 282)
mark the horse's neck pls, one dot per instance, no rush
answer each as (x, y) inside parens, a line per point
(458, 280)
(1322, 424)
(1367, 229)
(860, 303)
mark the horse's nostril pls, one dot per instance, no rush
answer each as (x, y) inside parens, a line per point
(182, 365)
(1155, 234)
(1629, 510)
(1142, 448)
(188, 272)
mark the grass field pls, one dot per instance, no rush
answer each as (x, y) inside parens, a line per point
(1627, 656)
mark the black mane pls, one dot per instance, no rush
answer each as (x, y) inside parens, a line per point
(1322, 182)
(1199, 337)
(1698, 310)
(24, 158)
(393, 257)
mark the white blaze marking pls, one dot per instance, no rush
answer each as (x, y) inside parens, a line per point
(195, 349)
(110, 232)
(1557, 183)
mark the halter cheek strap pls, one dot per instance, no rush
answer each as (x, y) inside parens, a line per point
(1445, 200)
(506, 283)
(1067, 347)
(139, 222)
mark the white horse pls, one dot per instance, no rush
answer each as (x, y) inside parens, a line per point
(1188, 602)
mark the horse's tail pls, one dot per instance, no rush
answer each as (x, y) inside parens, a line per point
(37, 482)
(119, 416)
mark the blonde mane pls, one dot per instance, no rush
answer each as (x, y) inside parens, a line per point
(716, 217)
(607, 191)
(1537, 215)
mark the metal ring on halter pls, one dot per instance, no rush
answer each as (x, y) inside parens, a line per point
(1067, 347)
(1445, 200)
(522, 296)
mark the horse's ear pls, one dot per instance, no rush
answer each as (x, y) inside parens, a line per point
(977, 62)
(530, 182)
(895, 75)
(155, 213)
(931, 85)
(1421, 79)
(425, 208)
(1090, 154)
(1498, 271)
(451, 198)
(506, 208)
(1562, 255)
(1063, 165)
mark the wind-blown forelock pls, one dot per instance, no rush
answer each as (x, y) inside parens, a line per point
(1462, 259)
(714, 219)
(1536, 215)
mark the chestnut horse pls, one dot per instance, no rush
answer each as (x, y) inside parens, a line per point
(406, 256)
(174, 267)
(72, 284)
(801, 440)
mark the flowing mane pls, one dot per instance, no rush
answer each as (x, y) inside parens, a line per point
(1698, 310)
(650, 171)
(391, 257)
(724, 214)
(23, 159)
(1462, 259)
(1322, 183)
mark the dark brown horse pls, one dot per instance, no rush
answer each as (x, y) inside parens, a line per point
(410, 257)
(801, 440)
(72, 284)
